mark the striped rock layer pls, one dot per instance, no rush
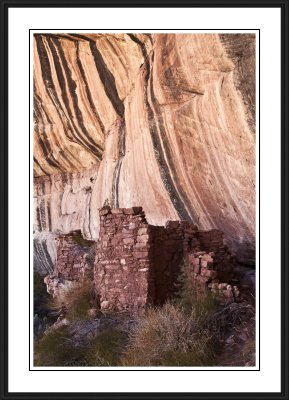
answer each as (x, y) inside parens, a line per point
(162, 121)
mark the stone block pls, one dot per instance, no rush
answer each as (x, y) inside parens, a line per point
(117, 211)
(172, 224)
(141, 245)
(142, 239)
(133, 210)
(104, 305)
(236, 291)
(128, 240)
(142, 231)
(128, 235)
(140, 254)
(222, 286)
(228, 294)
(112, 267)
(207, 258)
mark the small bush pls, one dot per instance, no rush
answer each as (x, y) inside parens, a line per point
(168, 336)
(58, 348)
(106, 348)
(189, 297)
(77, 301)
(185, 289)
(55, 349)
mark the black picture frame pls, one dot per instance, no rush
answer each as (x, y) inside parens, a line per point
(4, 360)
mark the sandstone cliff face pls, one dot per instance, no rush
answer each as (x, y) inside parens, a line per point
(162, 121)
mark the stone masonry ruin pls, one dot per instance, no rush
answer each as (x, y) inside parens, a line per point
(135, 264)
(74, 262)
(138, 264)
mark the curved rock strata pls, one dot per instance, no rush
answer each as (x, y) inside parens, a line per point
(165, 121)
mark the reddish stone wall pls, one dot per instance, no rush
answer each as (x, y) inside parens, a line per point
(139, 264)
(75, 257)
(124, 277)
(203, 272)
(213, 241)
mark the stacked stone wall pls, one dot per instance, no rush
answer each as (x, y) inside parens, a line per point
(124, 277)
(138, 264)
(213, 241)
(204, 275)
(75, 257)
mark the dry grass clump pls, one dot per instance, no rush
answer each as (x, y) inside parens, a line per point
(106, 348)
(58, 349)
(76, 301)
(168, 336)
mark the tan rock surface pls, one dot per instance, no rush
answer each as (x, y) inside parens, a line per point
(166, 122)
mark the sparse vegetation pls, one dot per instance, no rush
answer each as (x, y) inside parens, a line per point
(189, 298)
(77, 301)
(193, 330)
(59, 349)
(169, 336)
(55, 349)
(106, 348)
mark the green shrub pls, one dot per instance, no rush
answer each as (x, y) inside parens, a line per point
(55, 349)
(190, 297)
(58, 348)
(185, 289)
(106, 348)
